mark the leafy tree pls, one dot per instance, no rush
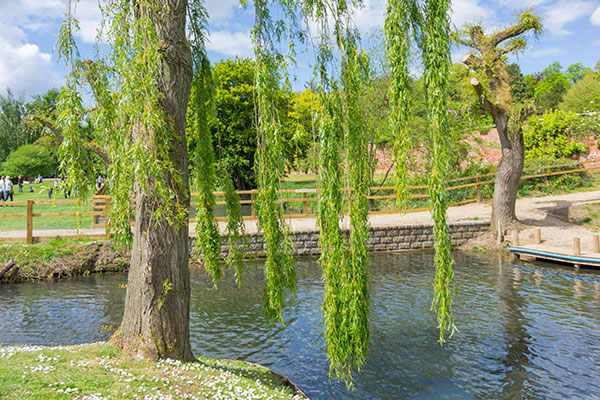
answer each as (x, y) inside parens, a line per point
(303, 147)
(13, 132)
(551, 135)
(577, 71)
(492, 86)
(30, 160)
(233, 127)
(584, 95)
(551, 85)
(520, 88)
(142, 89)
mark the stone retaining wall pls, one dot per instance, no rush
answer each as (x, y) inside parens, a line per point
(389, 238)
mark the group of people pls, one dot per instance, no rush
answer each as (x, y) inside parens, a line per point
(6, 188)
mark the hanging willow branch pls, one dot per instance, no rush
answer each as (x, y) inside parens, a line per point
(280, 273)
(436, 57)
(200, 110)
(397, 33)
(345, 268)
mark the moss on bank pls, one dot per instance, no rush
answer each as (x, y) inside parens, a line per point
(100, 371)
(58, 259)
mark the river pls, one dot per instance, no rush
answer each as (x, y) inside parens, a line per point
(525, 331)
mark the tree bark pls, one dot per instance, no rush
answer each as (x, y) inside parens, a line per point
(508, 174)
(156, 319)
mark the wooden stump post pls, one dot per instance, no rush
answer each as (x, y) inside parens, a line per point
(515, 240)
(576, 246)
(499, 233)
(538, 236)
(106, 208)
(596, 243)
(29, 221)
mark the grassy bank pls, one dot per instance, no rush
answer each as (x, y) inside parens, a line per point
(57, 259)
(101, 371)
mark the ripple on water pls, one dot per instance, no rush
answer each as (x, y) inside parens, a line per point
(525, 331)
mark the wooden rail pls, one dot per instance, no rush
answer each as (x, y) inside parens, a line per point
(101, 204)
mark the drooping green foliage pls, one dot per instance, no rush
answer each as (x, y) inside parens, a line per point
(129, 119)
(398, 38)
(279, 265)
(355, 328)
(208, 241)
(341, 125)
(436, 58)
(237, 239)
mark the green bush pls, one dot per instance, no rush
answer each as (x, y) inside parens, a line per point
(30, 160)
(552, 136)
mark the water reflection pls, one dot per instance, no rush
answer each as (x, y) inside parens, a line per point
(525, 331)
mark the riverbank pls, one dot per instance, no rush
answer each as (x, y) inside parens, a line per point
(561, 217)
(101, 371)
(59, 259)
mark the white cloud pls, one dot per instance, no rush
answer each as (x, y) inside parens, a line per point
(24, 68)
(220, 11)
(230, 43)
(550, 51)
(464, 11)
(371, 15)
(88, 14)
(595, 18)
(561, 13)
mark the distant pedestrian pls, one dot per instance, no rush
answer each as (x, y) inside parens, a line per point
(20, 183)
(39, 179)
(8, 189)
(2, 187)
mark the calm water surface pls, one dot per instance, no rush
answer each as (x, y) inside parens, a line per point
(525, 331)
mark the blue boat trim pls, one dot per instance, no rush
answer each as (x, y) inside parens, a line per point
(555, 255)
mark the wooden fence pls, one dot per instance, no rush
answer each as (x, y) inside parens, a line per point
(303, 199)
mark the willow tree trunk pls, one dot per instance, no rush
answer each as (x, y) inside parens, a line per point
(156, 319)
(508, 174)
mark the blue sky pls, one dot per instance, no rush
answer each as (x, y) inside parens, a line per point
(28, 31)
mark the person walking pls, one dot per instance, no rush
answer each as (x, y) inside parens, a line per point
(20, 183)
(2, 186)
(8, 189)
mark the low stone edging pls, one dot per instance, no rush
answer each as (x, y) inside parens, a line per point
(387, 238)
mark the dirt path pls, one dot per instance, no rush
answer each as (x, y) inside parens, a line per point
(551, 213)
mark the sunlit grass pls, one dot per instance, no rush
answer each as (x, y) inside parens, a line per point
(101, 371)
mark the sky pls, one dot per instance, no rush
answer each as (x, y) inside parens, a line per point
(29, 28)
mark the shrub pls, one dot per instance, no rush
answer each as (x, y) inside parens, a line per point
(552, 136)
(30, 160)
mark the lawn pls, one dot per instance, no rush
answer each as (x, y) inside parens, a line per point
(57, 203)
(101, 371)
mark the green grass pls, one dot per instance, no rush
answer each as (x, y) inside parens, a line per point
(40, 193)
(34, 254)
(101, 371)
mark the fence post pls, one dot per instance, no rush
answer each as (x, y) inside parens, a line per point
(478, 188)
(545, 176)
(252, 206)
(29, 221)
(106, 226)
(304, 204)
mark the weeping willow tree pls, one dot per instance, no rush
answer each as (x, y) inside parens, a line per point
(143, 88)
(343, 146)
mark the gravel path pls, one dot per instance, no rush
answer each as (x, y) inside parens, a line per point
(549, 213)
